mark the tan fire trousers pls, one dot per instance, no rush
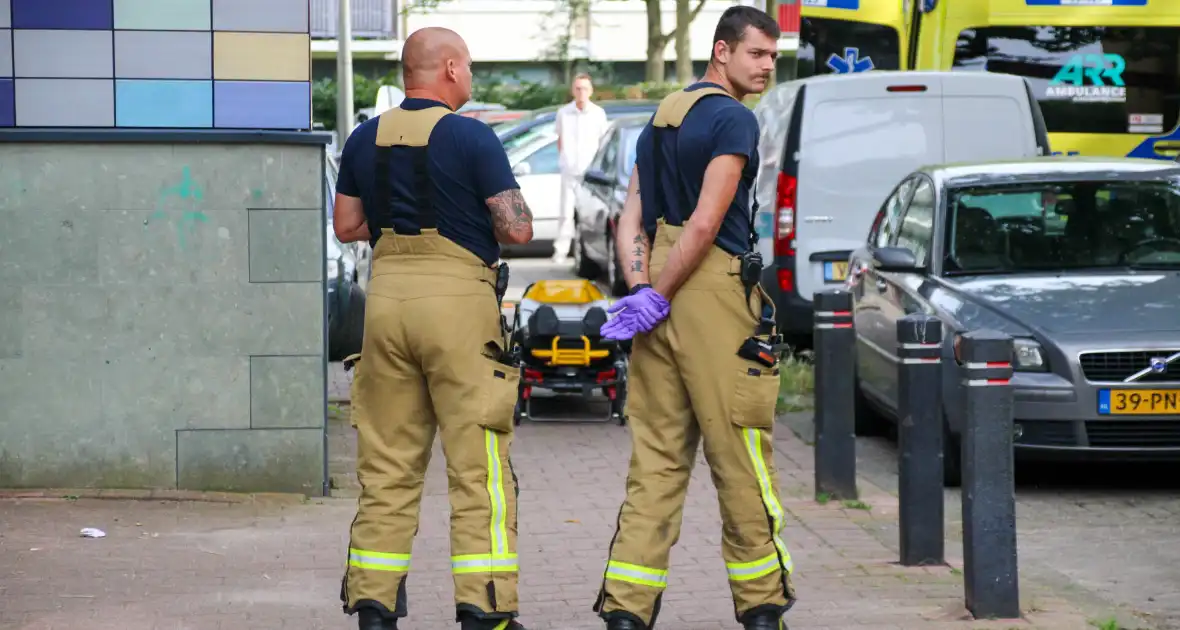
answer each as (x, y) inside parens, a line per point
(686, 383)
(432, 335)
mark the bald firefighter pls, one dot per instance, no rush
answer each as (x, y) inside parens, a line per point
(433, 193)
(704, 365)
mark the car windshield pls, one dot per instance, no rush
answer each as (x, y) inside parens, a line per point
(1061, 226)
(530, 136)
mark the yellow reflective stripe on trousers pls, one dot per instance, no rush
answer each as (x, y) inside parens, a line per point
(636, 574)
(497, 530)
(483, 563)
(378, 560)
(741, 571)
(753, 438)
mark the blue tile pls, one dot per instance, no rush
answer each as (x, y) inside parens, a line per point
(153, 103)
(7, 103)
(67, 14)
(262, 104)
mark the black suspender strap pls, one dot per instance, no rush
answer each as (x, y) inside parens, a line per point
(382, 193)
(671, 210)
(423, 190)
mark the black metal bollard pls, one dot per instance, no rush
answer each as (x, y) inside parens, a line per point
(835, 425)
(989, 494)
(919, 440)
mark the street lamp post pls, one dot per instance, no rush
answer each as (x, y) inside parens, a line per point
(344, 101)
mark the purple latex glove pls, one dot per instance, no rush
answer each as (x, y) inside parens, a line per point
(621, 326)
(636, 313)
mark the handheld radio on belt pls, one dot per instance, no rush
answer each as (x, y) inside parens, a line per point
(764, 351)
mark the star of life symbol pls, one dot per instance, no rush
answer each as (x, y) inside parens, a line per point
(850, 62)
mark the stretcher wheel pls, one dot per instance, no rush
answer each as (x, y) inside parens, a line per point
(523, 408)
(618, 406)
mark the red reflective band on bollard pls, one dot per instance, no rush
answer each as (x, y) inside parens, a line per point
(843, 319)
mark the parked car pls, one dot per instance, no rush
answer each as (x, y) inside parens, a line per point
(544, 120)
(535, 165)
(599, 201)
(832, 146)
(348, 269)
(1076, 258)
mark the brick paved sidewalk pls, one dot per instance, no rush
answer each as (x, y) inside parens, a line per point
(267, 564)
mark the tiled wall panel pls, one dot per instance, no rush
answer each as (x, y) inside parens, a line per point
(5, 53)
(278, 16)
(163, 55)
(155, 63)
(7, 104)
(156, 103)
(163, 15)
(65, 103)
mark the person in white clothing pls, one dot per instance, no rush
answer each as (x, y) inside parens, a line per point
(580, 125)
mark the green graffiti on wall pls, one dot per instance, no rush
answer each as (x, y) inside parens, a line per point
(188, 191)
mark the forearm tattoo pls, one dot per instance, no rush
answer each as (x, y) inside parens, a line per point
(638, 252)
(511, 216)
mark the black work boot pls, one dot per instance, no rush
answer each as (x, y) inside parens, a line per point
(768, 621)
(619, 623)
(370, 619)
(470, 622)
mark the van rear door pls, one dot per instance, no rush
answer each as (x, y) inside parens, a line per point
(987, 117)
(860, 136)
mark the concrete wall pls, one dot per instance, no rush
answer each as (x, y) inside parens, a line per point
(162, 316)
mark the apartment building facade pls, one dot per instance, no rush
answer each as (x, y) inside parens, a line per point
(529, 38)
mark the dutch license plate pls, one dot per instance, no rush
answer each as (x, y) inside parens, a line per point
(1139, 402)
(835, 271)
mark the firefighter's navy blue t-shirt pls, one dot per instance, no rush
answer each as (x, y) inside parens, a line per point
(717, 125)
(467, 166)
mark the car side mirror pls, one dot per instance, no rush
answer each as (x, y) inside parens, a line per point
(597, 177)
(522, 169)
(896, 259)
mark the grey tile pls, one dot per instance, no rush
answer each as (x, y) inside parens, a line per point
(178, 391)
(286, 245)
(56, 436)
(163, 55)
(39, 103)
(273, 460)
(5, 48)
(286, 392)
(172, 247)
(286, 319)
(286, 16)
(47, 54)
(12, 329)
(194, 320)
(215, 320)
(49, 246)
(65, 320)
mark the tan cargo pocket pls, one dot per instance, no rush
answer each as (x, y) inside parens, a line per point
(501, 386)
(755, 393)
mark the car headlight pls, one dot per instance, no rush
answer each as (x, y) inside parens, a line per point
(1027, 356)
(333, 269)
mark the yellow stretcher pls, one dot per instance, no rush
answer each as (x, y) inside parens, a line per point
(556, 331)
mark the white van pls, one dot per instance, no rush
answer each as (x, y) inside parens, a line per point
(833, 146)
